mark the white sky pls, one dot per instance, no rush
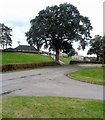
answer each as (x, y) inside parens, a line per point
(17, 14)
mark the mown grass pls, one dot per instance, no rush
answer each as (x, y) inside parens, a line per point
(51, 107)
(19, 57)
(65, 60)
(91, 75)
(0, 57)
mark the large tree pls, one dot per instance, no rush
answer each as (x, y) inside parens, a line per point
(96, 46)
(5, 36)
(57, 27)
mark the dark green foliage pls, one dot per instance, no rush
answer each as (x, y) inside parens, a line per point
(104, 48)
(57, 27)
(96, 46)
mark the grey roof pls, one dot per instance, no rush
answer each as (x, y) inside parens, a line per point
(25, 47)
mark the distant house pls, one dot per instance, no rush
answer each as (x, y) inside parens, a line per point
(25, 48)
(89, 58)
(78, 58)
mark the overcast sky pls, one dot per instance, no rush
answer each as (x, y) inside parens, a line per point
(17, 14)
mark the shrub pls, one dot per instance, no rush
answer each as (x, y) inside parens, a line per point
(84, 62)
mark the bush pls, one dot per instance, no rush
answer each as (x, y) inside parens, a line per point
(9, 67)
(85, 62)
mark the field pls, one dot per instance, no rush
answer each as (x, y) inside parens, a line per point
(91, 75)
(51, 107)
(19, 57)
(65, 60)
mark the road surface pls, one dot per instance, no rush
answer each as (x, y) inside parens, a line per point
(49, 82)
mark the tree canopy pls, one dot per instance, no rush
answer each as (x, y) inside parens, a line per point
(57, 27)
(96, 46)
(5, 36)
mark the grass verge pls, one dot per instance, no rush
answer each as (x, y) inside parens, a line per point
(51, 107)
(91, 75)
(65, 60)
(19, 57)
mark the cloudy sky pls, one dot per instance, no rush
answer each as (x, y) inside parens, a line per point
(17, 14)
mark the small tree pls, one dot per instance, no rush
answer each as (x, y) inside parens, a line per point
(57, 27)
(96, 46)
(72, 52)
(5, 36)
(18, 42)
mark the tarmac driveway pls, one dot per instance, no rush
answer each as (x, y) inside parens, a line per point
(49, 82)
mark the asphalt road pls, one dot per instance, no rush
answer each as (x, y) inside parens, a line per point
(49, 82)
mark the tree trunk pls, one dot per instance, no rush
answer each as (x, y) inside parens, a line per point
(6, 45)
(57, 56)
(3, 46)
(97, 57)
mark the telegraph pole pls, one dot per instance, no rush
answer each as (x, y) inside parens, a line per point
(103, 62)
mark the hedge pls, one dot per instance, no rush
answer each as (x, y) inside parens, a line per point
(85, 62)
(18, 66)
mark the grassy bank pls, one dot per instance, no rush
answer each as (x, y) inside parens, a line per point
(91, 75)
(65, 60)
(19, 57)
(51, 107)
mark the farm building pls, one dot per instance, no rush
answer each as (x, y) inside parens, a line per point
(25, 48)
